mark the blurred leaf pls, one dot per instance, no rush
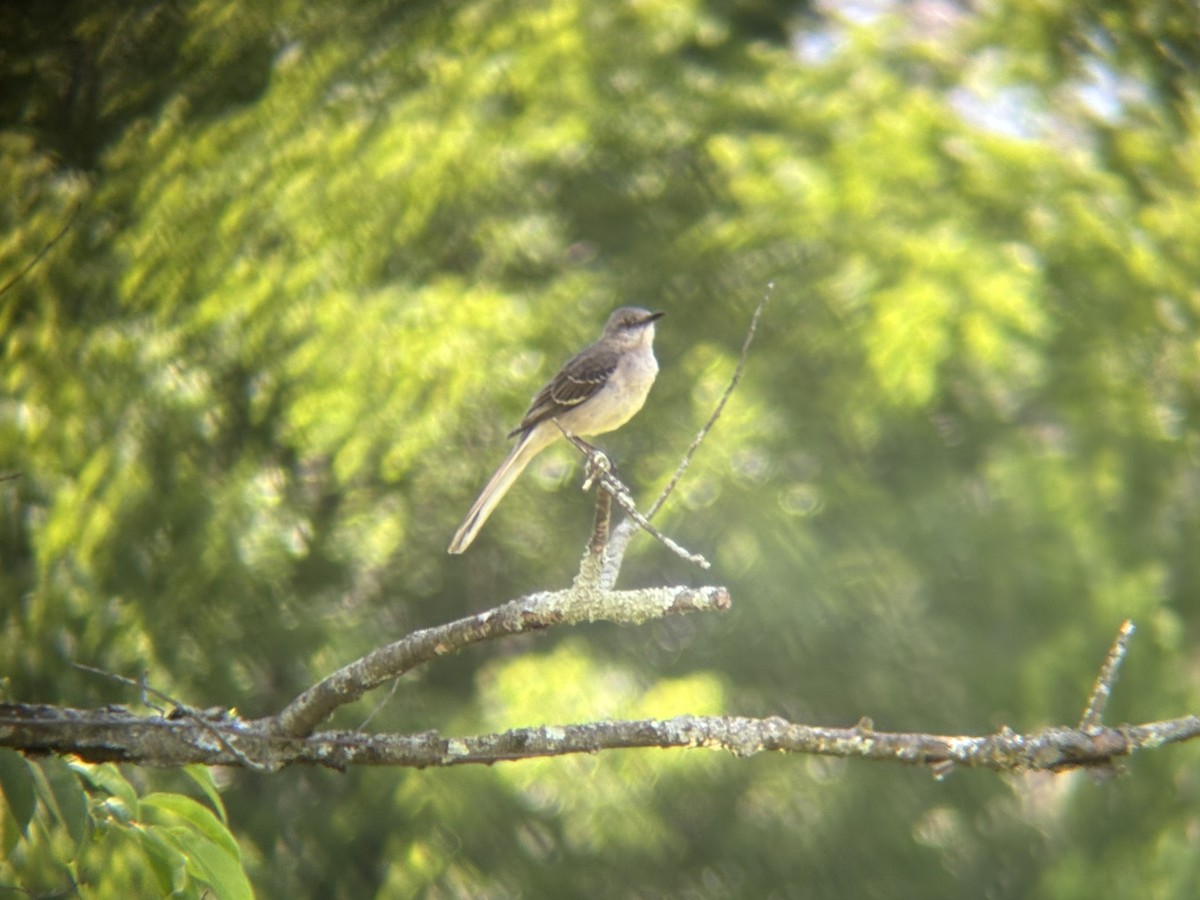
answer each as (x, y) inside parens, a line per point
(107, 777)
(167, 862)
(70, 800)
(203, 778)
(210, 862)
(16, 781)
(197, 816)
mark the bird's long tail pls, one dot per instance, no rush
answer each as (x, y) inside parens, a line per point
(527, 447)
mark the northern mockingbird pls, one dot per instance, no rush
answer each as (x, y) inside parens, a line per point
(597, 390)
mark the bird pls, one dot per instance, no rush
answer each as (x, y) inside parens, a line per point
(597, 390)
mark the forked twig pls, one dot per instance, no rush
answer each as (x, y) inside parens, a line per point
(600, 470)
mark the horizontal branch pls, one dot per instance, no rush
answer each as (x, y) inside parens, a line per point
(113, 734)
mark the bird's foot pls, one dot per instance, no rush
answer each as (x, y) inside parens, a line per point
(597, 465)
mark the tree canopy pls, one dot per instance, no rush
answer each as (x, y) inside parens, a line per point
(280, 276)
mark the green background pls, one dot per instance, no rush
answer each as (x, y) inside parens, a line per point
(319, 256)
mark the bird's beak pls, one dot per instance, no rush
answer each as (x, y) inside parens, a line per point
(654, 315)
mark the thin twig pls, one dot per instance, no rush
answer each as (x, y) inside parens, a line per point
(46, 249)
(181, 711)
(144, 689)
(362, 726)
(625, 500)
(1093, 714)
(716, 413)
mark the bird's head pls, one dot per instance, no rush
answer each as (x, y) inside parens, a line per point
(631, 325)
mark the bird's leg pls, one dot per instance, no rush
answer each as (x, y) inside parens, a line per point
(598, 463)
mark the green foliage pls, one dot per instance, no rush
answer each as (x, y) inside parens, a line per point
(78, 828)
(616, 814)
(322, 256)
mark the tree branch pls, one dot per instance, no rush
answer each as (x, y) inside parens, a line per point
(113, 734)
(216, 737)
(584, 601)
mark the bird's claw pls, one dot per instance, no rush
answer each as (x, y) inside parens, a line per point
(597, 465)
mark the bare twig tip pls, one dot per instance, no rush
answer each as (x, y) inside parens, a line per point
(1093, 713)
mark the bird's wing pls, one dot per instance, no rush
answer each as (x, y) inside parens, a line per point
(578, 380)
